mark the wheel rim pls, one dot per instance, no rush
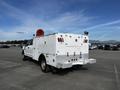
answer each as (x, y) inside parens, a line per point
(43, 65)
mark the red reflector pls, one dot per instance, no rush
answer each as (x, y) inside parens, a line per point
(60, 40)
(85, 41)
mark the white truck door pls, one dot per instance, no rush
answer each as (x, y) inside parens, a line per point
(35, 48)
(29, 48)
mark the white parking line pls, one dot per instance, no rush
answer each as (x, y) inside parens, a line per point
(117, 77)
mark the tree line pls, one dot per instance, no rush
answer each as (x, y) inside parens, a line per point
(14, 42)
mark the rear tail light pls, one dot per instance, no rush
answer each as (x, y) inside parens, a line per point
(60, 40)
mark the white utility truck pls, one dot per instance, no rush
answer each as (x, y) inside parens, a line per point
(59, 50)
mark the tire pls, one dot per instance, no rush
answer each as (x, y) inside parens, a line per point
(43, 65)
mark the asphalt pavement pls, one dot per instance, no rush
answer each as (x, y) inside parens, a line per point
(16, 74)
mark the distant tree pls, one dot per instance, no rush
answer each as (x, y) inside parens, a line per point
(15, 42)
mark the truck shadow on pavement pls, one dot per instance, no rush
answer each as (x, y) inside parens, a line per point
(62, 72)
(68, 70)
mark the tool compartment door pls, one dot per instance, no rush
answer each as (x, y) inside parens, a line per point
(70, 46)
(73, 44)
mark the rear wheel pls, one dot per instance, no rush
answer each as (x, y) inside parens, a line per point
(43, 65)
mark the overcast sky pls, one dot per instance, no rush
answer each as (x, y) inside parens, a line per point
(19, 19)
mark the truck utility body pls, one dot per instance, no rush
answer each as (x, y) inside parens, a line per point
(60, 50)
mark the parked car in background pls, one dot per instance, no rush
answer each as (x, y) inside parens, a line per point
(100, 47)
(4, 46)
(114, 47)
(107, 47)
(92, 47)
(118, 45)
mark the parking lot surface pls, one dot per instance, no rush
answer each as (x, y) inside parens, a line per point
(16, 74)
